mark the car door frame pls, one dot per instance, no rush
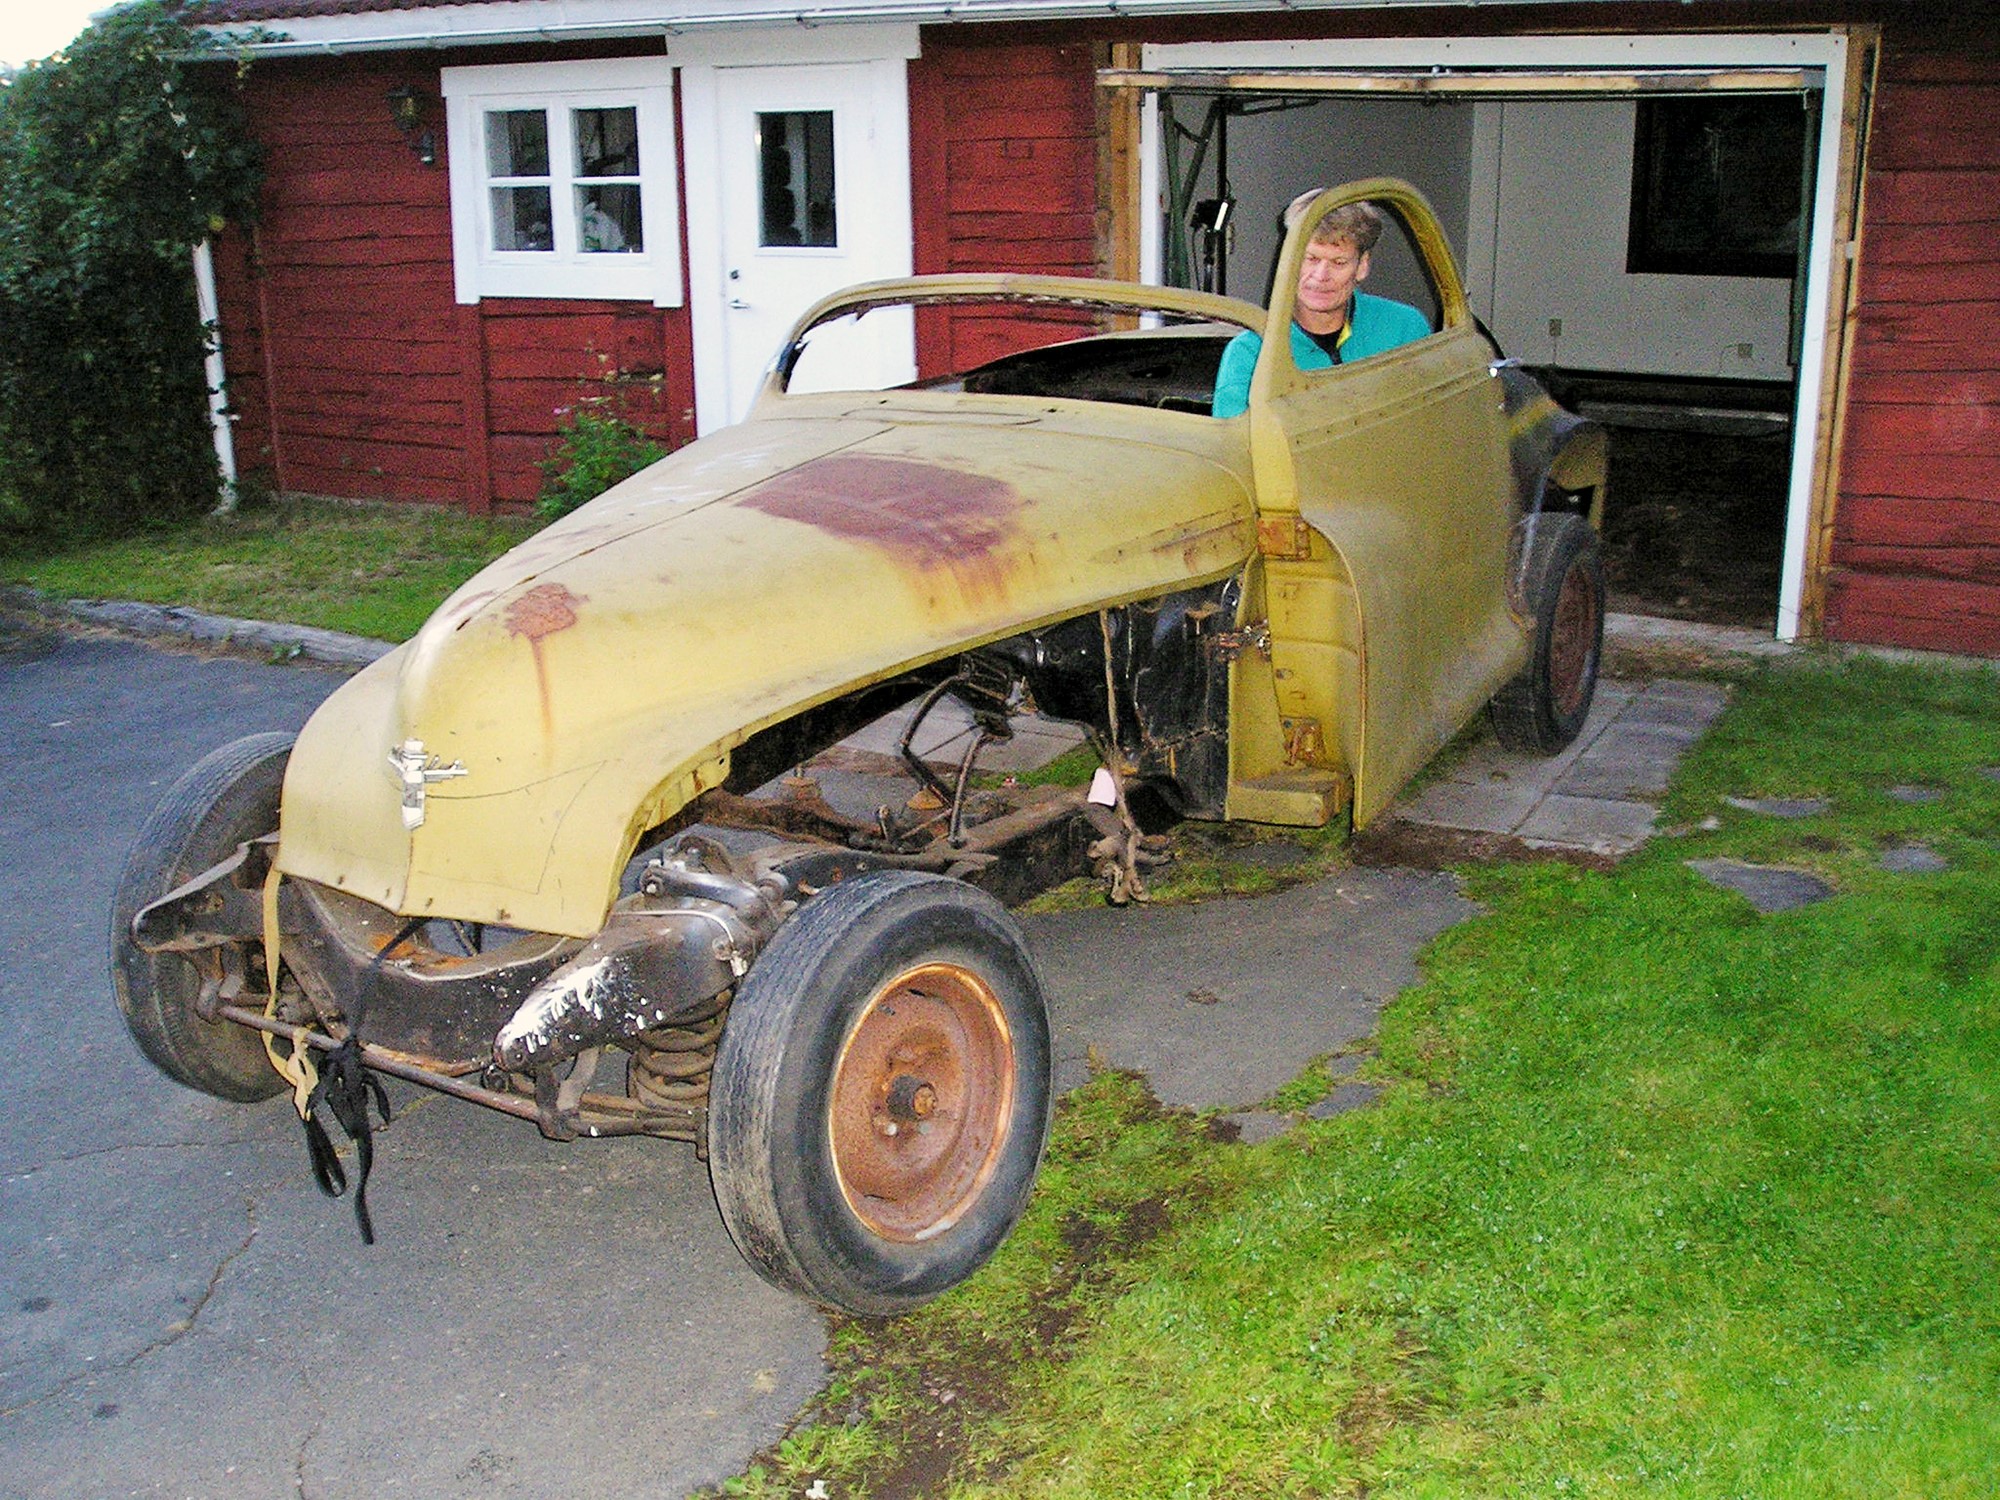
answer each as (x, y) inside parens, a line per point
(1387, 516)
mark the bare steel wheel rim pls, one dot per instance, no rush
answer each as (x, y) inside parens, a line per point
(1572, 640)
(922, 1097)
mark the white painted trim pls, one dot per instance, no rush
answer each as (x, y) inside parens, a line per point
(701, 172)
(517, 21)
(653, 275)
(1151, 210)
(1817, 49)
(1583, 54)
(760, 46)
(215, 375)
(1812, 347)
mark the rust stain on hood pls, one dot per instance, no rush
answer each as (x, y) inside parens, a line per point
(925, 515)
(537, 614)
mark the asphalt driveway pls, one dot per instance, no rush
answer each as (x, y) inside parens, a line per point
(183, 1314)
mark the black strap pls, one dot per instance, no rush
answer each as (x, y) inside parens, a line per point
(345, 1088)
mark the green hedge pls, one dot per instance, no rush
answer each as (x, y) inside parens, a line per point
(116, 158)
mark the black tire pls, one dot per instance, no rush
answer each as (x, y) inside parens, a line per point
(888, 1006)
(227, 797)
(1544, 707)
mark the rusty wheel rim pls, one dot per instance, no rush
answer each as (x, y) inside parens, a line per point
(923, 1093)
(1572, 640)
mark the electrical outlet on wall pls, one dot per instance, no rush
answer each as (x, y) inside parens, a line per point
(1745, 351)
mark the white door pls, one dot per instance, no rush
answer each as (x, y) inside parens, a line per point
(812, 183)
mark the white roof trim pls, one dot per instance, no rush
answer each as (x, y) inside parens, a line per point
(503, 21)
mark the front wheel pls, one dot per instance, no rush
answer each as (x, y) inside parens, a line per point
(881, 1093)
(230, 796)
(1543, 709)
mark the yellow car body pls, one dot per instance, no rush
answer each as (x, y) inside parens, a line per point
(587, 686)
(1277, 616)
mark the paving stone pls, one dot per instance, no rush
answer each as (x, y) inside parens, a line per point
(1671, 701)
(1344, 1098)
(1257, 1125)
(1769, 888)
(1917, 796)
(1491, 807)
(1912, 859)
(1782, 807)
(1627, 762)
(1599, 825)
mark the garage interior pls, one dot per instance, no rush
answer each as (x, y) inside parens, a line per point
(1643, 251)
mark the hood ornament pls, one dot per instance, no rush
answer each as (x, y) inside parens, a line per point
(415, 770)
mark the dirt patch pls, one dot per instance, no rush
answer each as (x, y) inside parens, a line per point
(946, 1381)
(1395, 844)
(1694, 526)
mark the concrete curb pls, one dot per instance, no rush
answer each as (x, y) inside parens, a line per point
(224, 632)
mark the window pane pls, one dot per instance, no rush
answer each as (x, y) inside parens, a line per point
(795, 166)
(607, 142)
(517, 143)
(607, 218)
(521, 219)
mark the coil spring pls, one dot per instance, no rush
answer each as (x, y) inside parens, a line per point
(671, 1065)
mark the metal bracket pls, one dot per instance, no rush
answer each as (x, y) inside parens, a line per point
(1284, 537)
(1228, 645)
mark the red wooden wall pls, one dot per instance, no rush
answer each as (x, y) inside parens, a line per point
(1003, 143)
(352, 370)
(1916, 553)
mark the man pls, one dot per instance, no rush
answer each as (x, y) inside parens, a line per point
(1334, 322)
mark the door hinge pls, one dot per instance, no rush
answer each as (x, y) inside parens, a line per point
(1284, 536)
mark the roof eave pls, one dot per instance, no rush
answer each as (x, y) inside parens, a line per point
(509, 21)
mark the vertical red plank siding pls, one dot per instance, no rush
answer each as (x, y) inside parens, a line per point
(1004, 177)
(353, 371)
(1916, 551)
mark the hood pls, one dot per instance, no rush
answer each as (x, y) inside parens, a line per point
(595, 679)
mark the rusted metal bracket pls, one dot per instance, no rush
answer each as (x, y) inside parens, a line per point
(1228, 645)
(1305, 743)
(1284, 537)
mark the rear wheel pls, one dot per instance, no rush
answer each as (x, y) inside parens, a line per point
(1544, 708)
(228, 797)
(881, 1093)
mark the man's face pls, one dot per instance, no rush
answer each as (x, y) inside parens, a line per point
(1327, 280)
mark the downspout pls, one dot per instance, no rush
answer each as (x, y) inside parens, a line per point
(214, 375)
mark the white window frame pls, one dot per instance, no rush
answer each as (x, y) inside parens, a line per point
(645, 84)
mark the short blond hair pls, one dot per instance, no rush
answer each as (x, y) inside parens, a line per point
(1358, 223)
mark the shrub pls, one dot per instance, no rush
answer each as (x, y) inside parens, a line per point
(116, 158)
(597, 449)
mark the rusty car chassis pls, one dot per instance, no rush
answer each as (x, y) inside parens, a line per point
(530, 843)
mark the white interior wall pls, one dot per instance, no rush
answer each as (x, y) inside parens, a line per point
(1551, 195)
(1273, 157)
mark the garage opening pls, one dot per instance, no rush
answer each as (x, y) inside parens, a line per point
(1643, 240)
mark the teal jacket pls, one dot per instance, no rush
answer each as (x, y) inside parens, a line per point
(1376, 325)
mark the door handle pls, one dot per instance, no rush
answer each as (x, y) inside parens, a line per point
(737, 304)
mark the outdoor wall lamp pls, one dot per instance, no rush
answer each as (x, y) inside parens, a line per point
(410, 108)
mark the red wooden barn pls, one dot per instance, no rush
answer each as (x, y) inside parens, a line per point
(1774, 217)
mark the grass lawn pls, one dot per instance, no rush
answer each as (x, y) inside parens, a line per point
(371, 570)
(1664, 1196)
